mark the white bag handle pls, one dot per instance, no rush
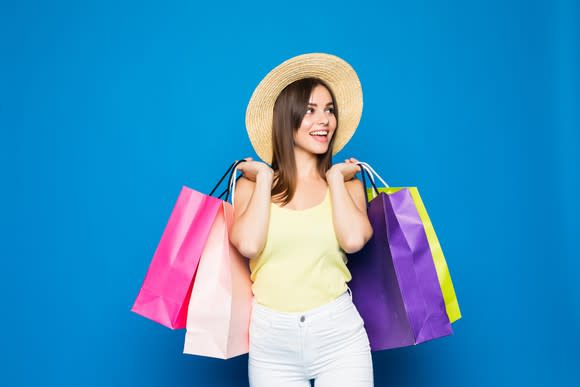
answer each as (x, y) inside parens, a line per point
(371, 172)
(232, 184)
(369, 168)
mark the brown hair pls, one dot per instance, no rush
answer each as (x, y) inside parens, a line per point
(289, 110)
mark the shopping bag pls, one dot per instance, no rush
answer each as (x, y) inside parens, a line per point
(220, 303)
(394, 280)
(165, 291)
(443, 275)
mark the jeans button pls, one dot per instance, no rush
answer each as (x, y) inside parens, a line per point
(302, 318)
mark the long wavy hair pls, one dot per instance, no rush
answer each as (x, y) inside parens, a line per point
(289, 110)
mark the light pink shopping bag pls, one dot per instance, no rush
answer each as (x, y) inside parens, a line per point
(221, 300)
(165, 292)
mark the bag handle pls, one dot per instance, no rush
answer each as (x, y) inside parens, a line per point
(373, 172)
(231, 172)
(366, 169)
(222, 179)
(232, 182)
(364, 173)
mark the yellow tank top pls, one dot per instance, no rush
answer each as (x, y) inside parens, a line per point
(302, 265)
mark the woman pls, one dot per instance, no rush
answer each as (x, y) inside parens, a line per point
(296, 220)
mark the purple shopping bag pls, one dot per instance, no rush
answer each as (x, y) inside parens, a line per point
(394, 281)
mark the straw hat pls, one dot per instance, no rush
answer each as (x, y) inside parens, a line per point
(334, 71)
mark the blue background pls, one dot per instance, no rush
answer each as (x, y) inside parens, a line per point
(108, 108)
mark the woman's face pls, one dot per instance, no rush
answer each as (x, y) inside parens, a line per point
(318, 124)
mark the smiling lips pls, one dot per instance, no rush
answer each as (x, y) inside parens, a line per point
(320, 135)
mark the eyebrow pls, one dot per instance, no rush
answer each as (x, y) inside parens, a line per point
(313, 104)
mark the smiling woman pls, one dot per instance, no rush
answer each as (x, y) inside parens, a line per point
(320, 122)
(299, 102)
(295, 219)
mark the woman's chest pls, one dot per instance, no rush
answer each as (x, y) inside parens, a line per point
(301, 229)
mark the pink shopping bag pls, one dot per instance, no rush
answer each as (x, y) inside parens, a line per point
(220, 304)
(165, 292)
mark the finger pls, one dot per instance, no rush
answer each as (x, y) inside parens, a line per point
(242, 167)
(357, 168)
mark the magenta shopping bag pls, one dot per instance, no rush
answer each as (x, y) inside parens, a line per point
(394, 281)
(165, 292)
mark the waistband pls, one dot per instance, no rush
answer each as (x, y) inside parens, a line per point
(323, 312)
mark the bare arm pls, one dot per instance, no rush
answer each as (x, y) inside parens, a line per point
(349, 212)
(251, 214)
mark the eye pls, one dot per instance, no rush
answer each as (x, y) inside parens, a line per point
(331, 110)
(309, 110)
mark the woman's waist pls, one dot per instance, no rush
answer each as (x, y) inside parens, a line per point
(289, 314)
(298, 264)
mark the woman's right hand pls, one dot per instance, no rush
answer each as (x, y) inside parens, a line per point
(251, 169)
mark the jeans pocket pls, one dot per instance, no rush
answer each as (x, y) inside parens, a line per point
(260, 330)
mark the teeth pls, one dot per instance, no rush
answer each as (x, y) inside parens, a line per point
(319, 133)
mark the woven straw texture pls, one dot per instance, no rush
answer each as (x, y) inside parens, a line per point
(334, 71)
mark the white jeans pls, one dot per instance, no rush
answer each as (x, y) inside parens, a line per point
(328, 344)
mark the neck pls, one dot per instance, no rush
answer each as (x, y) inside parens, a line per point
(306, 165)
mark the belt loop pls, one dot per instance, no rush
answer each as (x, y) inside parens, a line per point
(349, 291)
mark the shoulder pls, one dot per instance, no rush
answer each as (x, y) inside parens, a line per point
(357, 192)
(355, 187)
(243, 192)
(244, 184)
(244, 188)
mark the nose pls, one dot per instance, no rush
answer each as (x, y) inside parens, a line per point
(323, 118)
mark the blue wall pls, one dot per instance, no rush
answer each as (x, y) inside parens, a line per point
(107, 109)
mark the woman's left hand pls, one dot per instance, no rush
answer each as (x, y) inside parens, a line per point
(348, 169)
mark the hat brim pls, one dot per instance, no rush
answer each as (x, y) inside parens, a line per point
(334, 71)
